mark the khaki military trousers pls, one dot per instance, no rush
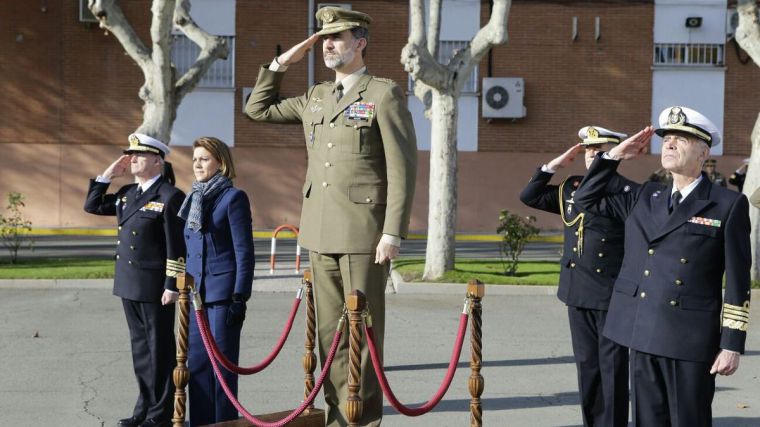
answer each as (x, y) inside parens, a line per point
(335, 276)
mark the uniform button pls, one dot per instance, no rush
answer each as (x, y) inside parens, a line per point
(330, 145)
(328, 164)
(678, 282)
(601, 255)
(598, 270)
(332, 125)
(117, 256)
(575, 249)
(324, 184)
(118, 242)
(643, 295)
(650, 251)
(131, 247)
(130, 262)
(603, 240)
(684, 260)
(134, 233)
(646, 273)
(368, 200)
(356, 126)
(120, 228)
(576, 233)
(673, 302)
(572, 265)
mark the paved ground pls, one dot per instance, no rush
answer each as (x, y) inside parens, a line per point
(66, 360)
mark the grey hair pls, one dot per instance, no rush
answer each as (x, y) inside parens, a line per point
(361, 33)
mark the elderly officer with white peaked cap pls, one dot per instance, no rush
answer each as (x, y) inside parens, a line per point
(357, 198)
(668, 304)
(592, 254)
(150, 253)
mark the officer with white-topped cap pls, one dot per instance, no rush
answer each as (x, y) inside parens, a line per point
(592, 254)
(150, 253)
(668, 304)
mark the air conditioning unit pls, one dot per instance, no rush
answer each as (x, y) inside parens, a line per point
(732, 21)
(503, 98)
(84, 12)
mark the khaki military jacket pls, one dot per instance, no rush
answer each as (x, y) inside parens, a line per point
(362, 164)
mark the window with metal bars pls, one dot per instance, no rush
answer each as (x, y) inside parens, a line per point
(689, 54)
(220, 75)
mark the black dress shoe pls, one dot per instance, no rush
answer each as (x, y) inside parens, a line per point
(130, 422)
(153, 422)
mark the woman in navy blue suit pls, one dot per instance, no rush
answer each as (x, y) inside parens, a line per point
(218, 234)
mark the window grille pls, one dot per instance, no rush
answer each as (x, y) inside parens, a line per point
(221, 74)
(689, 54)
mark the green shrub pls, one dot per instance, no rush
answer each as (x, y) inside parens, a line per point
(515, 232)
(14, 227)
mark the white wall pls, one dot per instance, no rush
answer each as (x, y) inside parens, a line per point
(209, 111)
(460, 20)
(701, 88)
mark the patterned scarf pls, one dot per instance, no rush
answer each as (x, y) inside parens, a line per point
(203, 192)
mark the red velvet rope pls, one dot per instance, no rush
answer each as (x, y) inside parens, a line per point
(227, 363)
(199, 316)
(379, 372)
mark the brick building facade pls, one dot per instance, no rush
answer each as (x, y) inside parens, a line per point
(71, 99)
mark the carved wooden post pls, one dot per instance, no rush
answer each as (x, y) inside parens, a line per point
(475, 292)
(309, 358)
(355, 304)
(181, 374)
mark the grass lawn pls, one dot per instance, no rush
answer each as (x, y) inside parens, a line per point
(488, 271)
(57, 268)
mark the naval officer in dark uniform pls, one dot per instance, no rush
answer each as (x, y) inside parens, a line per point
(593, 252)
(150, 253)
(668, 304)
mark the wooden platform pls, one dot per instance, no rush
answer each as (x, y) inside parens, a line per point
(309, 418)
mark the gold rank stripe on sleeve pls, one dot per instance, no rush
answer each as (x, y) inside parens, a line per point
(736, 317)
(174, 268)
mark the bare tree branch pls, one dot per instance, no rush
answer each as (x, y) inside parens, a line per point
(212, 48)
(417, 11)
(112, 18)
(434, 27)
(416, 57)
(748, 31)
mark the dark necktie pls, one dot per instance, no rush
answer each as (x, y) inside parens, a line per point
(675, 200)
(139, 192)
(338, 92)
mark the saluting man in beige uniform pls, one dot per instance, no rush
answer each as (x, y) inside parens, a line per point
(359, 187)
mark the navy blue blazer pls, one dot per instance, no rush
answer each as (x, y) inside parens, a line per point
(220, 255)
(593, 244)
(668, 298)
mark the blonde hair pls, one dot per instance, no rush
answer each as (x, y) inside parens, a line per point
(221, 153)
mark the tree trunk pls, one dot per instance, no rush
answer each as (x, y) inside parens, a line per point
(442, 208)
(160, 106)
(750, 185)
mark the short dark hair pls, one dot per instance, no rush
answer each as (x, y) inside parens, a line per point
(361, 33)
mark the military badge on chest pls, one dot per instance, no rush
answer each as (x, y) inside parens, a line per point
(360, 111)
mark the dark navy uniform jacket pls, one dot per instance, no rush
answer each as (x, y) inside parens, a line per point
(150, 250)
(593, 245)
(667, 300)
(220, 255)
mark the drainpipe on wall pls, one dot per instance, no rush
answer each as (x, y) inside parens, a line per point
(311, 51)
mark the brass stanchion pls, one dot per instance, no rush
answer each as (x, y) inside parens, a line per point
(476, 383)
(309, 358)
(181, 375)
(355, 304)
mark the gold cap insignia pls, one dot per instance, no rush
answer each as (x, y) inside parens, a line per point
(676, 116)
(134, 141)
(328, 16)
(592, 133)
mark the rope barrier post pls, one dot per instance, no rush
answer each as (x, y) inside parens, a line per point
(309, 358)
(475, 291)
(355, 304)
(181, 375)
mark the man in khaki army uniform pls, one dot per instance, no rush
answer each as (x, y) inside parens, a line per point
(359, 186)
(713, 175)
